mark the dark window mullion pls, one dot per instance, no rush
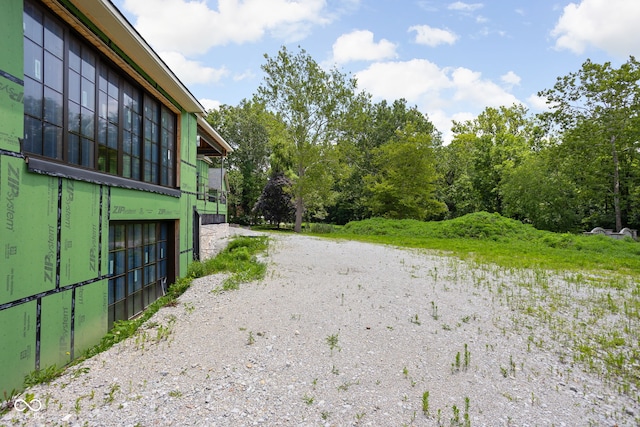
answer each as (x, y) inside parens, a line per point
(96, 112)
(121, 118)
(65, 96)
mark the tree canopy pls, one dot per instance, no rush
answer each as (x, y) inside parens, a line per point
(348, 158)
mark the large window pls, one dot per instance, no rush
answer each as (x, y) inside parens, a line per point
(80, 110)
(138, 254)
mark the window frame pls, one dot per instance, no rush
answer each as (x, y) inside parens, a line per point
(139, 266)
(79, 142)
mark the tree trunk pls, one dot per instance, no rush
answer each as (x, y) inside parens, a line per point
(299, 210)
(616, 185)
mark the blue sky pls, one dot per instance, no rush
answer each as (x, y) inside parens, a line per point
(451, 59)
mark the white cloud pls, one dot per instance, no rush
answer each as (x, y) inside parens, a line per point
(210, 104)
(465, 7)
(246, 75)
(609, 25)
(195, 28)
(511, 79)
(433, 36)
(472, 88)
(538, 103)
(439, 92)
(359, 46)
(411, 80)
(192, 72)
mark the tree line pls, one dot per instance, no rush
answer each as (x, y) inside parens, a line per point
(310, 146)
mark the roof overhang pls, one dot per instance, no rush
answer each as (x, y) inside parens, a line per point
(210, 143)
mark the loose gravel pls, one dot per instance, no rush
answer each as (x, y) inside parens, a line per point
(339, 333)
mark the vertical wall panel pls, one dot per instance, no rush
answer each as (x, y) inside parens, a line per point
(17, 345)
(80, 228)
(55, 336)
(11, 75)
(90, 320)
(28, 248)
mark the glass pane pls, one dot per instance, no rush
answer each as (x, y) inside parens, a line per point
(162, 250)
(112, 261)
(119, 236)
(164, 176)
(32, 97)
(113, 85)
(136, 121)
(120, 264)
(88, 123)
(103, 75)
(87, 153)
(52, 143)
(135, 279)
(53, 106)
(53, 37)
(88, 65)
(119, 311)
(137, 257)
(53, 76)
(113, 109)
(102, 104)
(32, 60)
(126, 166)
(112, 292)
(126, 142)
(102, 132)
(32, 135)
(119, 288)
(103, 158)
(74, 117)
(74, 86)
(73, 149)
(112, 138)
(138, 234)
(130, 236)
(151, 276)
(32, 23)
(74, 55)
(87, 95)
(136, 146)
(135, 168)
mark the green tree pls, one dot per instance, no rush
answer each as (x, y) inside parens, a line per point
(246, 128)
(596, 109)
(312, 103)
(537, 191)
(369, 127)
(482, 153)
(404, 183)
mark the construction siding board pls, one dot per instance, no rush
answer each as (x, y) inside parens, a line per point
(17, 345)
(11, 76)
(80, 232)
(90, 316)
(129, 205)
(55, 318)
(29, 232)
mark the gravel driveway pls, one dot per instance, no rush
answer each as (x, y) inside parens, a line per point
(337, 334)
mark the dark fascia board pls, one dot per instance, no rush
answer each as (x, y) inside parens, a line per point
(46, 167)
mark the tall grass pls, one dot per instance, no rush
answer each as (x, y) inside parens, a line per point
(492, 238)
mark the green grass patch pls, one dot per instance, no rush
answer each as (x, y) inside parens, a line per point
(491, 238)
